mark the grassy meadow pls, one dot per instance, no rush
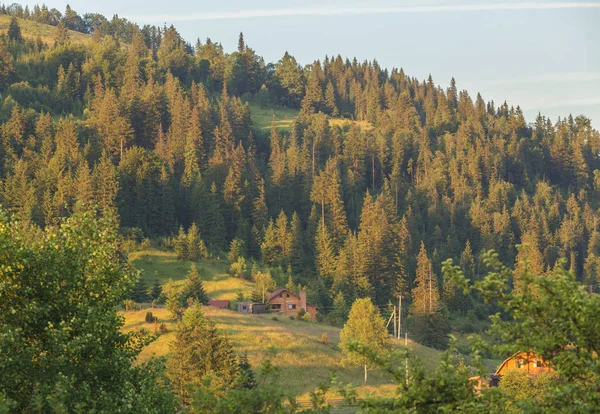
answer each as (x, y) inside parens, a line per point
(303, 358)
(31, 30)
(164, 267)
(284, 118)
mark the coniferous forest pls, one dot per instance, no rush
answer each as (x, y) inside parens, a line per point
(378, 181)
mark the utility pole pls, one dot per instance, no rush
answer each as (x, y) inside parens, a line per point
(406, 344)
(395, 326)
(399, 316)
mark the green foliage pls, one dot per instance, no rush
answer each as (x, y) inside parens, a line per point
(364, 325)
(156, 290)
(194, 288)
(150, 318)
(239, 268)
(430, 330)
(175, 303)
(64, 335)
(200, 354)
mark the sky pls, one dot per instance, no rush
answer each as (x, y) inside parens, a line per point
(542, 55)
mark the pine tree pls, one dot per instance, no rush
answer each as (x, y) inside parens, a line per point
(194, 288)
(156, 290)
(180, 245)
(194, 243)
(200, 350)
(339, 314)
(425, 295)
(14, 30)
(325, 259)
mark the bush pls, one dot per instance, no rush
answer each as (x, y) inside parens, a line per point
(129, 304)
(150, 318)
(239, 268)
(292, 317)
(274, 318)
(163, 329)
(300, 314)
(324, 338)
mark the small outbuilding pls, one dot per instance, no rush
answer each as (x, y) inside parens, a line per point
(253, 308)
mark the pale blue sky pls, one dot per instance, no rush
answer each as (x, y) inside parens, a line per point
(543, 55)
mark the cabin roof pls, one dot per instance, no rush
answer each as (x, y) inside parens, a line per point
(512, 357)
(215, 303)
(281, 290)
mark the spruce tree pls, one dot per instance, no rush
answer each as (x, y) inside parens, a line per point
(193, 287)
(425, 295)
(200, 350)
(180, 245)
(14, 30)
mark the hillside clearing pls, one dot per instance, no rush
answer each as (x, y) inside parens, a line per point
(31, 30)
(304, 360)
(164, 267)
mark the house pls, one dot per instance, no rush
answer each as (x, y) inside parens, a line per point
(287, 303)
(521, 361)
(253, 308)
(525, 361)
(219, 304)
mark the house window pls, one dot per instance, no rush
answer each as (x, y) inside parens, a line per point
(291, 306)
(537, 364)
(287, 295)
(276, 306)
(244, 307)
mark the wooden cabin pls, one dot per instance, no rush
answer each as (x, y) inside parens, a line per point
(521, 361)
(526, 361)
(284, 302)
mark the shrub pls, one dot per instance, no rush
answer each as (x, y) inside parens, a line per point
(163, 329)
(292, 317)
(239, 268)
(275, 318)
(324, 338)
(150, 318)
(129, 304)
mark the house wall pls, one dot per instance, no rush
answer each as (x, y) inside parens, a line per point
(284, 300)
(525, 362)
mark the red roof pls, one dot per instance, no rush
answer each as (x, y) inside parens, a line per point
(221, 304)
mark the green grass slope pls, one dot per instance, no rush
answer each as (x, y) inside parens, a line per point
(285, 117)
(164, 267)
(303, 358)
(31, 29)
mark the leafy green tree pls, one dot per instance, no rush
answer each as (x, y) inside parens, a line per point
(85, 278)
(263, 286)
(366, 326)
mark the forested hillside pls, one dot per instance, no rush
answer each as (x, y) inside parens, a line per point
(142, 123)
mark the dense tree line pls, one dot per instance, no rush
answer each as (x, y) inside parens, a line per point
(159, 134)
